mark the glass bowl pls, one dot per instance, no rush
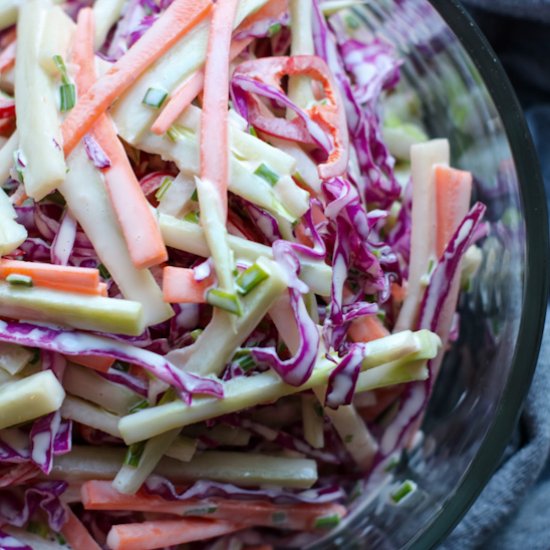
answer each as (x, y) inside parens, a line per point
(466, 97)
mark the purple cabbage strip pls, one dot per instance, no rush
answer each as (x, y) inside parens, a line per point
(242, 86)
(63, 243)
(416, 395)
(374, 66)
(264, 221)
(7, 542)
(286, 257)
(54, 362)
(159, 486)
(43, 433)
(95, 153)
(63, 441)
(296, 370)
(10, 455)
(263, 28)
(133, 383)
(203, 270)
(379, 184)
(43, 495)
(80, 343)
(342, 379)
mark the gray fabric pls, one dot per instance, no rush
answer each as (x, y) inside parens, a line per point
(513, 511)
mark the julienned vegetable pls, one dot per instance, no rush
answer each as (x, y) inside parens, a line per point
(221, 316)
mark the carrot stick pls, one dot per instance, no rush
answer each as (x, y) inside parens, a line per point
(453, 189)
(367, 329)
(100, 495)
(83, 280)
(186, 92)
(177, 20)
(95, 362)
(76, 534)
(163, 533)
(138, 224)
(179, 286)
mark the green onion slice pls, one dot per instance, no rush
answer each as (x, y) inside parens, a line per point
(267, 174)
(251, 278)
(17, 279)
(155, 97)
(224, 300)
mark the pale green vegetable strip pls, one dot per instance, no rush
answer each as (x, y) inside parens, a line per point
(301, 15)
(9, 10)
(76, 310)
(36, 542)
(213, 223)
(129, 479)
(243, 469)
(221, 434)
(182, 449)
(28, 398)
(400, 138)
(178, 195)
(87, 384)
(263, 388)
(398, 372)
(36, 106)
(56, 39)
(294, 198)
(91, 207)
(106, 14)
(6, 155)
(313, 421)
(184, 151)
(12, 234)
(13, 358)
(218, 342)
(133, 118)
(189, 237)
(86, 413)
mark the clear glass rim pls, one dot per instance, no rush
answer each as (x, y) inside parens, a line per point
(535, 293)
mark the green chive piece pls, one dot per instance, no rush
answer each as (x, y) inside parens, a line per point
(133, 454)
(274, 29)
(195, 334)
(38, 528)
(224, 300)
(348, 438)
(278, 517)
(164, 186)
(392, 464)
(103, 271)
(193, 217)
(327, 522)
(195, 196)
(168, 396)
(244, 359)
(251, 278)
(60, 539)
(252, 131)
(405, 489)
(16, 279)
(201, 511)
(155, 97)
(352, 22)
(267, 174)
(60, 64)
(143, 404)
(67, 94)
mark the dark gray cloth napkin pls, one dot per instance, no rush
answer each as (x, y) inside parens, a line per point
(513, 511)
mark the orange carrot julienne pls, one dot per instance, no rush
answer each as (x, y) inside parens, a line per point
(179, 286)
(59, 277)
(100, 495)
(214, 131)
(453, 190)
(95, 362)
(162, 533)
(76, 534)
(137, 222)
(367, 329)
(177, 20)
(184, 94)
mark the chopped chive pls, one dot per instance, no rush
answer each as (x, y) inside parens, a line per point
(67, 94)
(155, 97)
(168, 396)
(60, 539)
(318, 408)
(327, 522)
(244, 359)
(16, 279)
(193, 217)
(224, 300)
(133, 454)
(143, 404)
(103, 271)
(252, 131)
(298, 177)
(195, 334)
(274, 29)
(267, 174)
(164, 186)
(251, 278)
(60, 64)
(381, 315)
(351, 22)
(278, 518)
(201, 511)
(405, 489)
(195, 196)
(392, 464)
(38, 528)
(348, 438)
